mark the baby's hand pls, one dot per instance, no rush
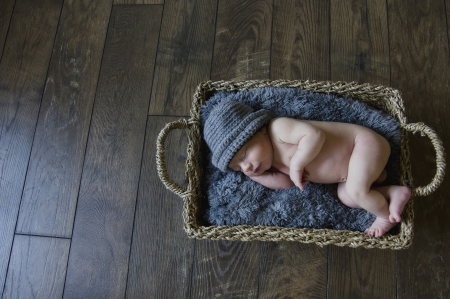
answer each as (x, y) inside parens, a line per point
(299, 178)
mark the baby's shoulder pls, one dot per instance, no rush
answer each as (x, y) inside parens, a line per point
(286, 124)
(281, 127)
(277, 125)
(281, 122)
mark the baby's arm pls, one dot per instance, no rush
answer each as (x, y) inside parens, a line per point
(273, 180)
(309, 140)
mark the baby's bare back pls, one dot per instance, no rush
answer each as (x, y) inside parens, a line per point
(332, 162)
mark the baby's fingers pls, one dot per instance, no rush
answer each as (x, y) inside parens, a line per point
(302, 187)
(297, 183)
(302, 184)
(299, 178)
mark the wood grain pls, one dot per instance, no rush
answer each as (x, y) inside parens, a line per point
(293, 270)
(420, 69)
(101, 241)
(37, 268)
(158, 230)
(360, 52)
(184, 55)
(54, 172)
(22, 79)
(359, 42)
(300, 50)
(362, 273)
(6, 7)
(301, 40)
(243, 38)
(131, 2)
(225, 269)
(447, 5)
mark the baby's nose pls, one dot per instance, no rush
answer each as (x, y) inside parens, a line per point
(246, 167)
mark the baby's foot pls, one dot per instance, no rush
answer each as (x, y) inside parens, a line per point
(379, 227)
(399, 196)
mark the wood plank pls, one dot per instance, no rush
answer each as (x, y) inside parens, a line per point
(162, 254)
(99, 255)
(241, 51)
(184, 55)
(243, 39)
(359, 42)
(132, 2)
(447, 5)
(420, 70)
(301, 42)
(22, 77)
(225, 269)
(6, 8)
(37, 268)
(293, 270)
(300, 50)
(54, 171)
(360, 52)
(362, 273)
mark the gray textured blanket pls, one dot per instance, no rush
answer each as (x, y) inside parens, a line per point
(234, 199)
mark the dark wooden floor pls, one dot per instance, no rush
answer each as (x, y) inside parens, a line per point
(85, 87)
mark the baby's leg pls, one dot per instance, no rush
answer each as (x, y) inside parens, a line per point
(367, 162)
(346, 200)
(397, 196)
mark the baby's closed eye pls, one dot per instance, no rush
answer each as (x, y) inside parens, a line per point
(244, 154)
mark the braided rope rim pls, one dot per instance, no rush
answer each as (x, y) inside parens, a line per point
(384, 98)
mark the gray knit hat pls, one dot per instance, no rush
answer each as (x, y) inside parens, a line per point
(229, 125)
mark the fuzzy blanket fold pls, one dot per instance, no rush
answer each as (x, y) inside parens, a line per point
(234, 199)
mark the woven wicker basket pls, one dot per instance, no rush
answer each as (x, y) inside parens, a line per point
(384, 98)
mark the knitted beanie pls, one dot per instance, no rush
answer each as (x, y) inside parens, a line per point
(229, 125)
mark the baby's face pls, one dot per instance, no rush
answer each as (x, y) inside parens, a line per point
(255, 156)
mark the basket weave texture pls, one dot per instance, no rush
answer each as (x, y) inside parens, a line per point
(383, 98)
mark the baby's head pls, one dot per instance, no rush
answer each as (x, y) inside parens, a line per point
(228, 127)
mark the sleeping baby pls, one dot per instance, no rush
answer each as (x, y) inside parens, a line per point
(282, 152)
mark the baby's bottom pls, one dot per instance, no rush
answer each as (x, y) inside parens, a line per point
(366, 165)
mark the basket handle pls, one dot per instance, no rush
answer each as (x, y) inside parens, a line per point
(161, 158)
(440, 157)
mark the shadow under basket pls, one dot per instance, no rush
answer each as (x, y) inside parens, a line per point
(383, 98)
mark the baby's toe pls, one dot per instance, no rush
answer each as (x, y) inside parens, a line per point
(395, 218)
(379, 233)
(370, 232)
